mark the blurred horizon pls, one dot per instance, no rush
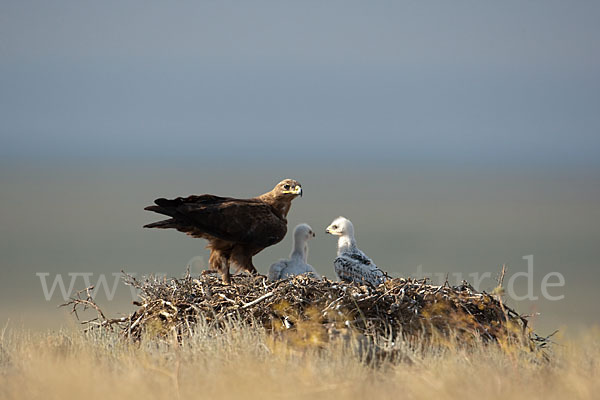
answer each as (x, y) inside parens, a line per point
(410, 221)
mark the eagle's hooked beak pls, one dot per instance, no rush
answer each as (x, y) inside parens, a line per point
(297, 190)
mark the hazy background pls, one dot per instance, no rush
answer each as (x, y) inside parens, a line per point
(457, 136)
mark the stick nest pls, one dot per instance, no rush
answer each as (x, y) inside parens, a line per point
(407, 309)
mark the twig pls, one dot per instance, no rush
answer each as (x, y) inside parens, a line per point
(502, 273)
(261, 298)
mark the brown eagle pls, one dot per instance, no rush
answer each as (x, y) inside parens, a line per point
(236, 229)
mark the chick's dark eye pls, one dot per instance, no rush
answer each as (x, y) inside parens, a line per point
(286, 187)
(334, 227)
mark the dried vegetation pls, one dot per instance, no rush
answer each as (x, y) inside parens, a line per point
(314, 312)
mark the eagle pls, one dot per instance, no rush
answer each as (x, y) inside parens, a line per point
(297, 264)
(236, 229)
(351, 264)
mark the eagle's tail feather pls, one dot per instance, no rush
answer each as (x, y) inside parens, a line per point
(161, 210)
(165, 224)
(165, 203)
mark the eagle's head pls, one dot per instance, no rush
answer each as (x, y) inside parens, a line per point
(340, 227)
(280, 198)
(287, 188)
(303, 232)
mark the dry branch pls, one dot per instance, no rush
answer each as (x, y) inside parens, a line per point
(399, 308)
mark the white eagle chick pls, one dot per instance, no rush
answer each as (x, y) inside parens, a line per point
(296, 265)
(351, 264)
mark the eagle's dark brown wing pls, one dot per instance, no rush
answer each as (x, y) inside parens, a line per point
(247, 221)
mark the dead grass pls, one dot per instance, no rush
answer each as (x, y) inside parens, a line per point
(246, 362)
(201, 339)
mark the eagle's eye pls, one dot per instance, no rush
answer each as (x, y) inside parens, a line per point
(286, 187)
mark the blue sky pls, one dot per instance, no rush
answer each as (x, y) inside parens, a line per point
(421, 81)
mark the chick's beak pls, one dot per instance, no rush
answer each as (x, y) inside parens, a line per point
(327, 230)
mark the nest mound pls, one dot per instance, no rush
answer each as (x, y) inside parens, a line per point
(399, 308)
